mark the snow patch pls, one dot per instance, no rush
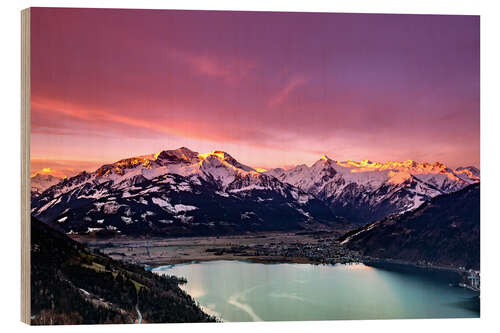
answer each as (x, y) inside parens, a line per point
(49, 204)
(247, 215)
(249, 188)
(126, 219)
(110, 207)
(370, 227)
(161, 202)
(184, 219)
(184, 208)
(165, 203)
(62, 219)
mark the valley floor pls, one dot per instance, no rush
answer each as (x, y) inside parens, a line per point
(300, 247)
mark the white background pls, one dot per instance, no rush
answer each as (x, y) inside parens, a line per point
(490, 162)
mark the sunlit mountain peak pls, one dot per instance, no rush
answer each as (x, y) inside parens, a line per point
(217, 153)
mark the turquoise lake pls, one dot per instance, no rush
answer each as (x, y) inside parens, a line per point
(245, 291)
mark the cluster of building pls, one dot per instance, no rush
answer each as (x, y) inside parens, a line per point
(321, 251)
(472, 280)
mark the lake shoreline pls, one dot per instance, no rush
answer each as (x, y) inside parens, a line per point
(380, 263)
(259, 260)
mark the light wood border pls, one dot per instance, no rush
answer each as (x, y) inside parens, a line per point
(25, 168)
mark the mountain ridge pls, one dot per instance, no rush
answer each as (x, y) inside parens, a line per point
(178, 192)
(182, 192)
(365, 191)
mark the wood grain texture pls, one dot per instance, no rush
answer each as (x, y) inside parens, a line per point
(25, 167)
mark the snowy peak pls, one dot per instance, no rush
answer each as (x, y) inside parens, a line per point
(216, 166)
(323, 162)
(364, 190)
(44, 177)
(120, 167)
(405, 166)
(225, 170)
(472, 169)
(224, 158)
(326, 159)
(397, 172)
(40, 182)
(470, 173)
(180, 155)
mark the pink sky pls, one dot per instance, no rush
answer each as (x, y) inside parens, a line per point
(271, 89)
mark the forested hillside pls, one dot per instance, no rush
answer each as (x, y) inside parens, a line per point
(72, 285)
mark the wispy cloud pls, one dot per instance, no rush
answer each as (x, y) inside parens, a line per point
(232, 69)
(285, 92)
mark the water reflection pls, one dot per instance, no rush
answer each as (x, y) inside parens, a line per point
(242, 291)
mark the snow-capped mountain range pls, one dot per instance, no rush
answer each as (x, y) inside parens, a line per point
(366, 191)
(181, 192)
(178, 192)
